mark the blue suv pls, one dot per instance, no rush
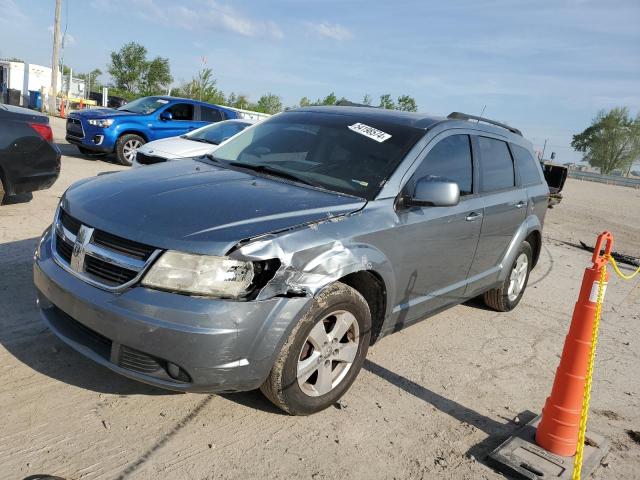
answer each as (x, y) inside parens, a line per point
(123, 131)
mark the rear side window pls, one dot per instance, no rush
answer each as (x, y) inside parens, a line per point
(496, 165)
(181, 111)
(527, 168)
(450, 160)
(210, 115)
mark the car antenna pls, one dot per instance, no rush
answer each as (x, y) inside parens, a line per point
(482, 112)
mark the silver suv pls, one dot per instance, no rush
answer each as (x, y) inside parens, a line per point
(275, 262)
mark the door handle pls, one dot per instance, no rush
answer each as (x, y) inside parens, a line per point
(521, 204)
(473, 216)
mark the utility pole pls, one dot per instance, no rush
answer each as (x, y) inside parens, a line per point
(544, 148)
(55, 60)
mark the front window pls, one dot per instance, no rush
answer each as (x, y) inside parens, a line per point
(217, 133)
(343, 153)
(144, 106)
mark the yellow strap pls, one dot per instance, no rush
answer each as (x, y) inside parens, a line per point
(577, 464)
(620, 274)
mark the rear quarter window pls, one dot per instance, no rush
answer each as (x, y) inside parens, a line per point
(527, 168)
(496, 165)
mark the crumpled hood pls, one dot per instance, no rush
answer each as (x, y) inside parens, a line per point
(176, 147)
(196, 207)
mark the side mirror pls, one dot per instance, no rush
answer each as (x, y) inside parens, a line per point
(166, 116)
(434, 192)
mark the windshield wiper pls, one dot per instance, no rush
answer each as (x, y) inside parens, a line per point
(198, 139)
(272, 171)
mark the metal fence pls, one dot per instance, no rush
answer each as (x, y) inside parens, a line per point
(608, 179)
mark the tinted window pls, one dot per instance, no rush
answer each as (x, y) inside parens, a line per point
(451, 160)
(345, 153)
(210, 114)
(496, 166)
(218, 132)
(527, 168)
(181, 111)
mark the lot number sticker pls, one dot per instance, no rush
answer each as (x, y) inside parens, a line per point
(370, 132)
(593, 296)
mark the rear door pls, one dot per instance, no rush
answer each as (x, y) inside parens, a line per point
(437, 243)
(505, 207)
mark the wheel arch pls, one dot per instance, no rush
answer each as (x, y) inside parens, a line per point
(372, 287)
(133, 131)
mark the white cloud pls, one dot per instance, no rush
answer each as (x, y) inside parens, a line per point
(206, 14)
(330, 30)
(11, 13)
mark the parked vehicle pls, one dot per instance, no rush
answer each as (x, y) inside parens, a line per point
(29, 160)
(275, 262)
(555, 176)
(123, 131)
(199, 142)
(112, 100)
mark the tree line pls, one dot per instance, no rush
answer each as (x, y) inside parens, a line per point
(135, 75)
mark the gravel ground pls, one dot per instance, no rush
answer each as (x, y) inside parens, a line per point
(431, 402)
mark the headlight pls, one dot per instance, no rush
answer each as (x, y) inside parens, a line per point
(200, 275)
(101, 123)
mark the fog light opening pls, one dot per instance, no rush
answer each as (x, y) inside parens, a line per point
(177, 373)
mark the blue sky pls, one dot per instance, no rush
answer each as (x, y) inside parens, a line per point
(545, 67)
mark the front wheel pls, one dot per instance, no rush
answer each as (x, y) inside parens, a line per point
(323, 354)
(126, 148)
(508, 295)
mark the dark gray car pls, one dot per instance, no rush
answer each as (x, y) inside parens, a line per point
(278, 261)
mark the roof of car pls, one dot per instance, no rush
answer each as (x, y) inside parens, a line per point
(418, 120)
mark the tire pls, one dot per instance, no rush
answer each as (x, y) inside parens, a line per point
(336, 307)
(127, 144)
(2, 192)
(503, 299)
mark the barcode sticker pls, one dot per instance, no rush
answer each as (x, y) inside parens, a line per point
(370, 132)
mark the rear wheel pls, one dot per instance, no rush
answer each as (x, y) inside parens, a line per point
(2, 192)
(509, 294)
(323, 354)
(126, 148)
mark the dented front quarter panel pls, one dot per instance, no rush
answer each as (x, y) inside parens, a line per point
(318, 254)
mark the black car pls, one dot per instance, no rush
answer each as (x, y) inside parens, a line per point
(29, 160)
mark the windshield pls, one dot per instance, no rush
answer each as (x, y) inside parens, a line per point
(144, 105)
(218, 132)
(343, 153)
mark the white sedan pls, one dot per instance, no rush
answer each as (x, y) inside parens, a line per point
(199, 142)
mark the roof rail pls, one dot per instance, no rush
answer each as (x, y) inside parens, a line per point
(465, 116)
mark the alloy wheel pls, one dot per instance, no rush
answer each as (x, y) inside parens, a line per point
(518, 277)
(328, 353)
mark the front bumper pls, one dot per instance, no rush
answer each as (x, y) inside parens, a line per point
(97, 139)
(222, 346)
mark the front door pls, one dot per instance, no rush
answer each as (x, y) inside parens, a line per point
(437, 243)
(183, 121)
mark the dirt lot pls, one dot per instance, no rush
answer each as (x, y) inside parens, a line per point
(432, 400)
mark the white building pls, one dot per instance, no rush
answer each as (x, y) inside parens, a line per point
(24, 77)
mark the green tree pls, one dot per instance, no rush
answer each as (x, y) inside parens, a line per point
(203, 87)
(91, 80)
(611, 142)
(157, 77)
(387, 102)
(132, 72)
(305, 102)
(366, 100)
(330, 99)
(269, 103)
(407, 104)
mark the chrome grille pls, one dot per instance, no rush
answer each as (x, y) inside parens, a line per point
(99, 258)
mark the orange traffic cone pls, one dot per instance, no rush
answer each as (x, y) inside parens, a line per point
(62, 109)
(558, 429)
